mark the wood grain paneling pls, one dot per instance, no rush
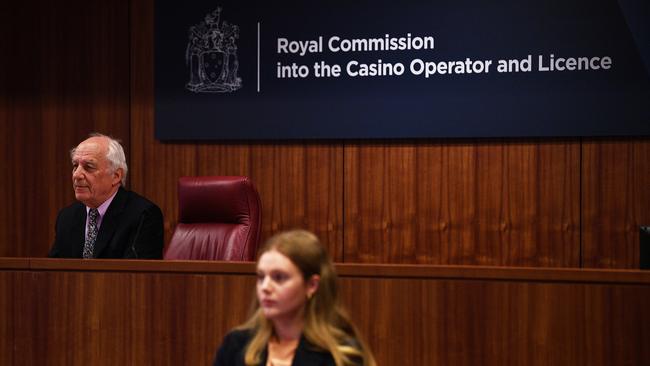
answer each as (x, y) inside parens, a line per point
(176, 313)
(615, 201)
(129, 319)
(476, 203)
(65, 75)
(431, 322)
(7, 318)
(75, 67)
(156, 168)
(300, 184)
(10, 306)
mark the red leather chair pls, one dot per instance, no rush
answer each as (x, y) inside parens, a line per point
(219, 219)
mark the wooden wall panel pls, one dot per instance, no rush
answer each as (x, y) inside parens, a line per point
(75, 67)
(498, 203)
(156, 168)
(300, 184)
(128, 319)
(64, 74)
(615, 201)
(8, 315)
(448, 322)
(176, 313)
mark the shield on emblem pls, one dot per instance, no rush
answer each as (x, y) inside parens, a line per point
(213, 65)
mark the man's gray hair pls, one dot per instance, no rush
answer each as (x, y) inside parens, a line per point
(115, 155)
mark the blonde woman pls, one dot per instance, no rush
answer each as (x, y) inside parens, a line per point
(297, 319)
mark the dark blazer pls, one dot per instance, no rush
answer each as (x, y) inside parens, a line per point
(233, 348)
(132, 227)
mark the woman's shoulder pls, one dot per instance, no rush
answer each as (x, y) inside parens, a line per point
(238, 336)
(232, 348)
(309, 354)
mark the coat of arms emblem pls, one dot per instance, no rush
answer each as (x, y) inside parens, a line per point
(211, 55)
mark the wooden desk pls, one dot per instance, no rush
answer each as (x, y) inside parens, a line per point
(103, 312)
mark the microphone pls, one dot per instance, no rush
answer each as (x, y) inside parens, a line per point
(135, 237)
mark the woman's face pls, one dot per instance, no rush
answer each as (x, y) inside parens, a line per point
(281, 290)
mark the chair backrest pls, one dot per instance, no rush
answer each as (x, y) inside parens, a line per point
(219, 218)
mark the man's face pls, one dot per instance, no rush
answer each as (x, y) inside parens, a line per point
(92, 177)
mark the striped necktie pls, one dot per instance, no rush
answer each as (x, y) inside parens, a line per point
(89, 244)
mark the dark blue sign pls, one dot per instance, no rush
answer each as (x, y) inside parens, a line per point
(380, 69)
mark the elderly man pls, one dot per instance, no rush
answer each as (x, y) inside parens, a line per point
(108, 221)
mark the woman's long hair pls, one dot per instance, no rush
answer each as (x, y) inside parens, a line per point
(327, 326)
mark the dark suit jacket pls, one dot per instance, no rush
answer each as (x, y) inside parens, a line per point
(233, 348)
(132, 227)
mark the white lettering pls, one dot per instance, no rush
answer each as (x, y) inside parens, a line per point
(291, 71)
(419, 67)
(572, 63)
(380, 68)
(300, 47)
